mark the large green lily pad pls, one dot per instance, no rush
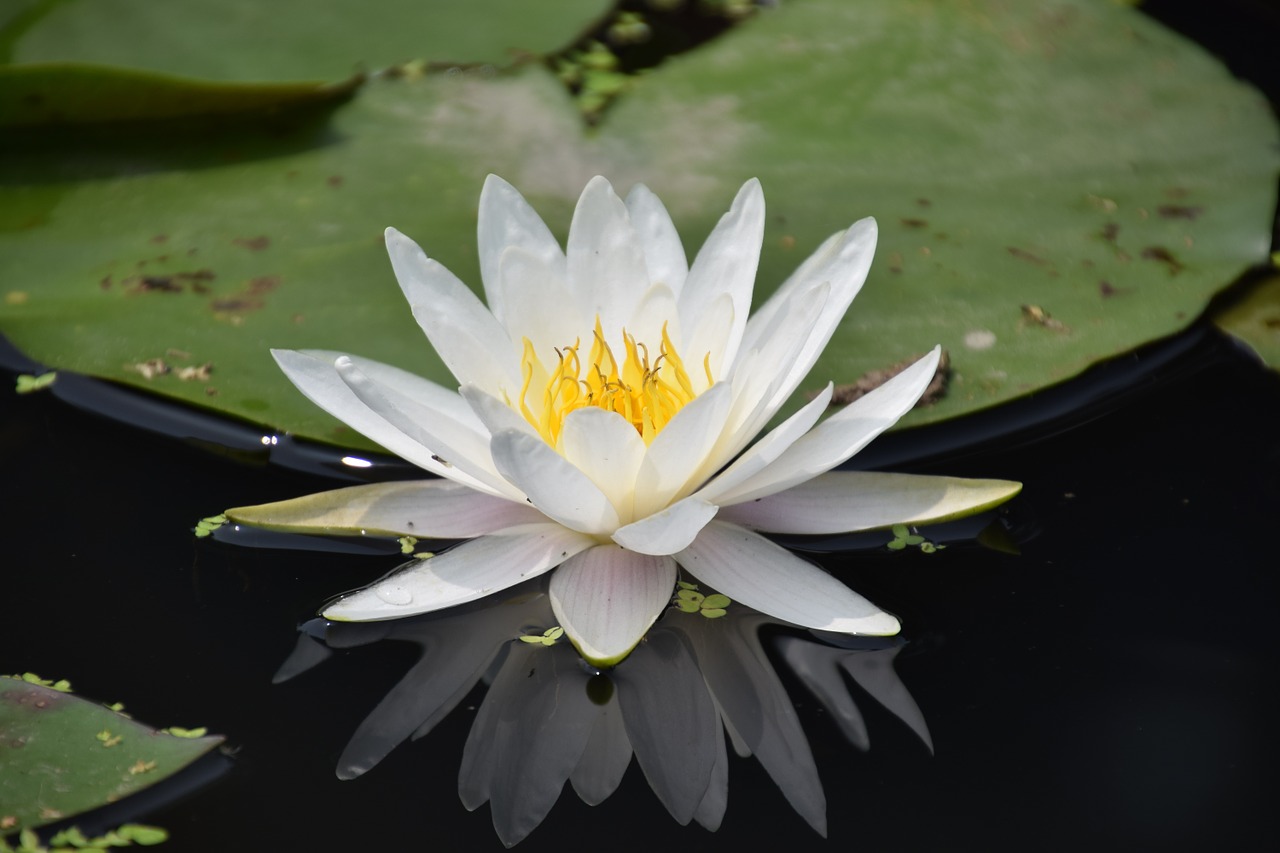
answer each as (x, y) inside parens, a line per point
(61, 755)
(1055, 184)
(250, 40)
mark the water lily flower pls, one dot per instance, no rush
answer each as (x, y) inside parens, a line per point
(609, 396)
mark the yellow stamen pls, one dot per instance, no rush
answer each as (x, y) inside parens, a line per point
(646, 394)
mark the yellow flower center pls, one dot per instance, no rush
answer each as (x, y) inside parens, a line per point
(647, 393)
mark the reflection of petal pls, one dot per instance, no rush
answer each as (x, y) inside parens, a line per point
(548, 718)
(751, 697)
(606, 757)
(527, 738)
(670, 721)
(711, 810)
(818, 668)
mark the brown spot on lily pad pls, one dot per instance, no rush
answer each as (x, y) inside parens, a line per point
(1024, 255)
(249, 298)
(172, 283)
(1180, 211)
(914, 223)
(843, 395)
(1164, 256)
(253, 244)
(335, 181)
(1110, 231)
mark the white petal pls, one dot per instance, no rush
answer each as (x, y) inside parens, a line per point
(538, 303)
(754, 571)
(663, 253)
(843, 501)
(466, 336)
(668, 531)
(707, 337)
(316, 377)
(464, 447)
(758, 373)
(506, 220)
(447, 401)
(464, 573)
(558, 489)
(755, 378)
(606, 598)
(841, 435)
(428, 509)
(675, 456)
(656, 309)
(767, 449)
(727, 263)
(841, 263)
(493, 413)
(606, 270)
(602, 445)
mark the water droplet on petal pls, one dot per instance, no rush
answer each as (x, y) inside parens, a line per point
(393, 593)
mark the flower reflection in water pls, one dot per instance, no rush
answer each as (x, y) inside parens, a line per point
(549, 717)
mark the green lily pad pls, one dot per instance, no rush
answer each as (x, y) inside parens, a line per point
(64, 94)
(61, 755)
(1255, 319)
(1055, 185)
(287, 39)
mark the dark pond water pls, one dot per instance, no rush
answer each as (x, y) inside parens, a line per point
(1112, 687)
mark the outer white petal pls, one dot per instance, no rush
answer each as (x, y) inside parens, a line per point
(668, 531)
(602, 445)
(756, 375)
(316, 377)
(606, 270)
(506, 220)
(466, 336)
(727, 263)
(428, 509)
(767, 449)
(494, 414)
(843, 501)
(606, 598)
(464, 573)
(464, 447)
(676, 455)
(758, 573)
(558, 489)
(663, 252)
(841, 435)
(437, 397)
(844, 275)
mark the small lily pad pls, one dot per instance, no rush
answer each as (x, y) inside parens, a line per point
(1255, 319)
(61, 755)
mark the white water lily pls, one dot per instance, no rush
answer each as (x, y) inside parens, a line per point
(609, 394)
